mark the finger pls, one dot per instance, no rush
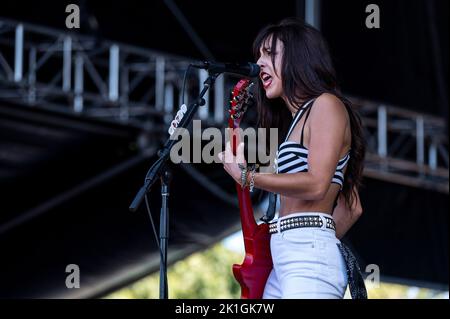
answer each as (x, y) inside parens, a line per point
(229, 157)
(240, 158)
(228, 147)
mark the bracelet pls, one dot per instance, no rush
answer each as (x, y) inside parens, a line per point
(253, 169)
(244, 171)
(252, 180)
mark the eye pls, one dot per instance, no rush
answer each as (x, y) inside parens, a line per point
(269, 52)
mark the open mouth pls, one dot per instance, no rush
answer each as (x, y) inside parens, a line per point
(266, 79)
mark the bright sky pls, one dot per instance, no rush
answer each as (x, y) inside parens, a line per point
(235, 242)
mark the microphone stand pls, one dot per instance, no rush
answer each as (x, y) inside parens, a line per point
(166, 177)
(158, 169)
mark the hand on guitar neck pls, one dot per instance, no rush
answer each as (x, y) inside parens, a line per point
(231, 162)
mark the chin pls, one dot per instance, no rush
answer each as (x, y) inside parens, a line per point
(272, 95)
(268, 95)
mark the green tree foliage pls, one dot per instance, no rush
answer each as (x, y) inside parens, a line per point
(208, 275)
(203, 275)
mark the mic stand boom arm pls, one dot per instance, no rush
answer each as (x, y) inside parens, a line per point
(155, 171)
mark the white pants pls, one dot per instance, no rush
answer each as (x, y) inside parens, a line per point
(307, 263)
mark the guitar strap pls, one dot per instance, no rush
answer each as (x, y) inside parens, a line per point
(270, 213)
(355, 277)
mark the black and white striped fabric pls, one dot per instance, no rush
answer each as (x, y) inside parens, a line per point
(292, 157)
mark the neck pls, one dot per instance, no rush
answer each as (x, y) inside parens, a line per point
(292, 107)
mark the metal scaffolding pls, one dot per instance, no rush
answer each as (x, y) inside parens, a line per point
(405, 147)
(68, 72)
(71, 72)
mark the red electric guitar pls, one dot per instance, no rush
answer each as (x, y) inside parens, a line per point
(252, 274)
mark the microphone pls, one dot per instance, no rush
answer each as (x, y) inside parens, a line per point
(245, 69)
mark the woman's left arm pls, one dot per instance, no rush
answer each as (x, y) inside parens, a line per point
(345, 216)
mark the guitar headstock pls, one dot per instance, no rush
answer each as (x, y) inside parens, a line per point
(241, 98)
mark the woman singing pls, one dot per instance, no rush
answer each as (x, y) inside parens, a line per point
(319, 161)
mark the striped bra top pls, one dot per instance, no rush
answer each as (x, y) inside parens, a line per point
(292, 157)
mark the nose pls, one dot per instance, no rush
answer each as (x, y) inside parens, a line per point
(260, 62)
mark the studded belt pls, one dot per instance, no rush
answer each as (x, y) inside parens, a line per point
(313, 221)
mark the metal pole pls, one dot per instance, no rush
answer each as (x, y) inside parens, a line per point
(67, 64)
(382, 131)
(32, 77)
(79, 83)
(168, 102)
(124, 94)
(432, 156)
(113, 73)
(312, 13)
(164, 233)
(18, 54)
(420, 142)
(219, 99)
(159, 86)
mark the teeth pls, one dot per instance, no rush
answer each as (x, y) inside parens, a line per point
(265, 77)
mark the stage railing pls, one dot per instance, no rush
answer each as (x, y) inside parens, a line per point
(42, 66)
(405, 147)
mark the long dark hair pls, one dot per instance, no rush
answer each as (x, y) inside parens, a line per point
(307, 72)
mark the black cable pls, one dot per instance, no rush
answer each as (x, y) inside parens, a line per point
(153, 225)
(161, 255)
(184, 83)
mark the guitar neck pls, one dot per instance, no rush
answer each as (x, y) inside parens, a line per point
(245, 203)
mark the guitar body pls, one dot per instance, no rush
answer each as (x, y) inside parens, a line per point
(252, 274)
